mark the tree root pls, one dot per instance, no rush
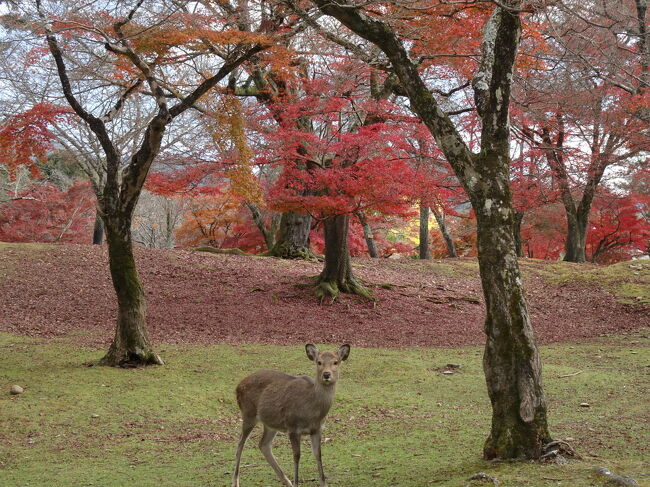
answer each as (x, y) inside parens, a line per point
(557, 451)
(332, 288)
(287, 252)
(130, 359)
(215, 250)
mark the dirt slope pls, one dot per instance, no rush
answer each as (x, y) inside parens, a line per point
(54, 291)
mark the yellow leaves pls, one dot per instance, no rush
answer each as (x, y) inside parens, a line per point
(229, 132)
(242, 180)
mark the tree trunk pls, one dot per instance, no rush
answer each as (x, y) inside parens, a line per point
(519, 249)
(367, 234)
(424, 232)
(442, 225)
(511, 361)
(258, 219)
(169, 225)
(98, 230)
(576, 239)
(337, 273)
(131, 346)
(293, 237)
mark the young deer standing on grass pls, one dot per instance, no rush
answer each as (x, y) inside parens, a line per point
(294, 405)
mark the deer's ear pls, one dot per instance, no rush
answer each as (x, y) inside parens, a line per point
(312, 351)
(343, 352)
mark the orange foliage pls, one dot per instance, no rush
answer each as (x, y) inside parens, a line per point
(210, 220)
(228, 128)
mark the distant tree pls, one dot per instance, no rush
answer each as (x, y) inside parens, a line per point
(587, 105)
(45, 213)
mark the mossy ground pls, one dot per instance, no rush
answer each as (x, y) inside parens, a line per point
(396, 421)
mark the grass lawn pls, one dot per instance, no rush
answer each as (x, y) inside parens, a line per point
(396, 420)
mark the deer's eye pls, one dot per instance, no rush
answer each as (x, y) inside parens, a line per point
(336, 363)
(320, 363)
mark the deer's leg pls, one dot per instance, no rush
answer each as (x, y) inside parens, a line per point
(265, 446)
(315, 448)
(295, 446)
(247, 427)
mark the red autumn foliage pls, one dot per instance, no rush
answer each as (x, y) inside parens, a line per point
(25, 138)
(343, 162)
(45, 213)
(619, 230)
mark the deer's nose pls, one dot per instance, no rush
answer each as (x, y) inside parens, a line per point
(327, 375)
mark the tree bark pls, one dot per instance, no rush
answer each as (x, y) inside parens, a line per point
(293, 237)
(131, 345)
(98, 230)
(574, 248)
(424, 232)
(337, 273)
(444, 230)
(511, 361)
(367, 234)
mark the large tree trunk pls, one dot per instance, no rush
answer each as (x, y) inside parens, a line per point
(367, 234)
(444, 231)
(424, 232)
(337, 274)
(511, 361)
(293, 237)
(131, 345)
(98, 230)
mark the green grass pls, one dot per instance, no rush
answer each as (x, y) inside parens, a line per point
(629, 281)
(395, 421)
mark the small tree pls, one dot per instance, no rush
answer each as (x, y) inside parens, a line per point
(139, 53)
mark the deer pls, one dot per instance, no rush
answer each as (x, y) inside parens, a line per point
(296, 405)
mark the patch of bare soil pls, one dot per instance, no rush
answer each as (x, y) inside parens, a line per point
(195, 297)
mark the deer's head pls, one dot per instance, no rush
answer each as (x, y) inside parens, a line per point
(327, 363)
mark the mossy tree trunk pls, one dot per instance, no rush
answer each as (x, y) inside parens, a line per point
(131, 345)
(292, 241)
(511, 361)
(576, 239)
(337, 273)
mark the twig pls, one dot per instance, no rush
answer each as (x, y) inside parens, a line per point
(569, 375)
